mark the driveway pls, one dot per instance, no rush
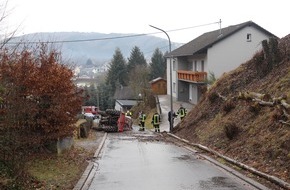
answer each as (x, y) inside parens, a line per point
(165, 105)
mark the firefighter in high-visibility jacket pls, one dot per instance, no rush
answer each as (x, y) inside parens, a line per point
(142, 118)
(156, 122)
(129, 113)
(181, 112)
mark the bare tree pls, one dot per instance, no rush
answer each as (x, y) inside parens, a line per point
(6, 34)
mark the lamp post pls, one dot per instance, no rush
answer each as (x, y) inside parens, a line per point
(171, 98)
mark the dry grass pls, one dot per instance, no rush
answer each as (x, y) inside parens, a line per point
(50, 171)
(58, 172)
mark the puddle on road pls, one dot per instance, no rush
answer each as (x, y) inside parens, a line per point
(183, 157)
(218, 182)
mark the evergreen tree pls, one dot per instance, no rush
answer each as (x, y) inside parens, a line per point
(136, 59)
(117, 73)
(89, 63)
(91, 96)
(86, 96)
(106, 100)
(157, 65)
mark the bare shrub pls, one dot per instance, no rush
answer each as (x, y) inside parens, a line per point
(231, 130)
(255, 108)
(212, 97)
(228, 106)
(277, 115)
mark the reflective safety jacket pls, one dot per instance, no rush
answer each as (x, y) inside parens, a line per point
(156, 119)
(128, 113)
(142, 117)
(182, 112)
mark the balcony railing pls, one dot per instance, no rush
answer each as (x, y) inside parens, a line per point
(193, 76)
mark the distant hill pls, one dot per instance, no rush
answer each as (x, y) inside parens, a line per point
(254, 131)
(99, 47)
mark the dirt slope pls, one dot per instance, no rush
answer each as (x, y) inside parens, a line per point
(243, 129)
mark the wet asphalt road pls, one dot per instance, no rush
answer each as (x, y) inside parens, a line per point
(134, 161)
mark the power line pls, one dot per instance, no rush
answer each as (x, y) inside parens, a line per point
(85, 40)
(109, 38)
(192, 27)
(185, 29)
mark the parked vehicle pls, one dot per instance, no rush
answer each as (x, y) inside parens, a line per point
(90, 109)
(89, 115)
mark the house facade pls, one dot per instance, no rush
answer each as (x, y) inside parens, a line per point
(213, 53)
(159, 86)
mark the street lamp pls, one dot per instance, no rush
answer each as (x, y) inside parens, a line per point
(171, 98)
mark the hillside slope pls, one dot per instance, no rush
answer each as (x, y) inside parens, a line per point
(242, 128)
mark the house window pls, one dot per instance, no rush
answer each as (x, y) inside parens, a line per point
(174, 65)
(202, 65)
(190, 67)
(249, 37)
(195, 65)
(174, 87)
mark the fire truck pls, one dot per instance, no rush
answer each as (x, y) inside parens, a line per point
(90, 109)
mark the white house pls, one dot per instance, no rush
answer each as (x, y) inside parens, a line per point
(214, 52)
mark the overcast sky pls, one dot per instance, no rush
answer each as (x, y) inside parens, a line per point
(183, 20)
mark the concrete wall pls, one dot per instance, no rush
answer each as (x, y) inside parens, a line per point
(64, 144)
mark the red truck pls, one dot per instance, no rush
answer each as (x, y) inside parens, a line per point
(90, 109)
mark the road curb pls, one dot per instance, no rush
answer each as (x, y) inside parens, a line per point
(87, 176)
(273, 179)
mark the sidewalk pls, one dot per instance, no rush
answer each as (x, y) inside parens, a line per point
(165, 108)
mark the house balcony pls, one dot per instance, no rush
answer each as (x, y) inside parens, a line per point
(192, 76)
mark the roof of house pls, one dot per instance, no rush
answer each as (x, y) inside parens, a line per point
(156, 80)
(203, 42)
(128, 103)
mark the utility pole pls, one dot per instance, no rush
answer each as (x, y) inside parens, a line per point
(171, 98)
